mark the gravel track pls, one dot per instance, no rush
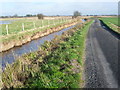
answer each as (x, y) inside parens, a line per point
(101, 63)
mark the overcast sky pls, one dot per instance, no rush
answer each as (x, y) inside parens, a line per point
(58, 7)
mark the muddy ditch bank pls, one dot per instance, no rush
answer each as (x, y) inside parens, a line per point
(15, 43)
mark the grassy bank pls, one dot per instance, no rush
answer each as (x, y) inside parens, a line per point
(26, 37)
(18, 34)
(57, 64)
(16, 25)
(112, 22)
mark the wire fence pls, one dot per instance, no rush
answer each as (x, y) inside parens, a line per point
(16, 28)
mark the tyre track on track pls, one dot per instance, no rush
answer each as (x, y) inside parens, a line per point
(101, 64)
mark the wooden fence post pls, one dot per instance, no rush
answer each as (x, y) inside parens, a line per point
(53, 21)
(69, 20)
(61, 20)
(23, 27)
(34, 24)
(7, 29)
(48, 22)
(42, 23)
(65, 19)
(58, 21)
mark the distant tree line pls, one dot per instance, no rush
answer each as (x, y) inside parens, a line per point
(30, 15)
(101, 15)
(16, 16)
(41, 16)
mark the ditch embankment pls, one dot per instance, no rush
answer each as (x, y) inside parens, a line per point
(27, 37)
(11, 55)
(57, 64)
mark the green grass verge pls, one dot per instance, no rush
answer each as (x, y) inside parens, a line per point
(56, 65)
(112, 22)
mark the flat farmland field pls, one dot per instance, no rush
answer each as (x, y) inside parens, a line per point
(19, 25)
(112, 22)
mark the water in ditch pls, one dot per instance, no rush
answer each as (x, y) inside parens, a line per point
(11, 55)
(6, 21)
